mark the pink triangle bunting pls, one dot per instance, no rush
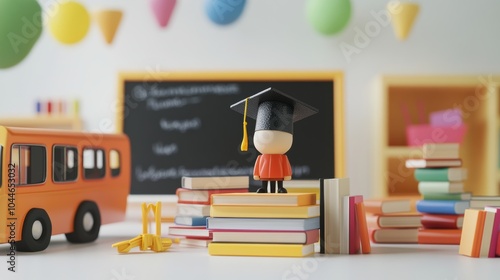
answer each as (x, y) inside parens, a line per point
(162, 10)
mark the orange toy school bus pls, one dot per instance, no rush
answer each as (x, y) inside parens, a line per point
(54, 182)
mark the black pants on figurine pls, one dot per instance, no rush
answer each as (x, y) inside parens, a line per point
(272, 184)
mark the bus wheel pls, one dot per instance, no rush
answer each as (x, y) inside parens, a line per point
(36, 233)
(86, 224)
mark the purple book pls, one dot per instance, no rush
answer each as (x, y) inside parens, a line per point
(451, 117)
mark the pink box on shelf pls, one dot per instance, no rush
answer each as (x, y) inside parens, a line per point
(417, 135)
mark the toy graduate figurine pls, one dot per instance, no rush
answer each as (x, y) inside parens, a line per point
(275, 113)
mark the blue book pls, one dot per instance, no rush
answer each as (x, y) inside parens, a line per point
(190, 221)
(451, 207)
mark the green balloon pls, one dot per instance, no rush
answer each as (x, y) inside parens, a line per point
(20, 28)
(328, 16)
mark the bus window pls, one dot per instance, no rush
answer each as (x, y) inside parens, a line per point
(114, 162)
(31, 164)
(93, 163)
(65, 164)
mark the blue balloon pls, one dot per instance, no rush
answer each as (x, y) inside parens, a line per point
(224, 12)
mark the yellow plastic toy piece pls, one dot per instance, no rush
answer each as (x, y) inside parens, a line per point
(147, 241)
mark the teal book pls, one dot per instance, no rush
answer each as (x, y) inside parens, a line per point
(440, 174)
(447, 196)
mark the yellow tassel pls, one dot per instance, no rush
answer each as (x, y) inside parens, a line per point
(244, 142)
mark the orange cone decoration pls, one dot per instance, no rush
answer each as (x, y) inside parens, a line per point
(108, 21)
(403, 16)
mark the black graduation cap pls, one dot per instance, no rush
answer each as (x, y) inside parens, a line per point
(273, 110)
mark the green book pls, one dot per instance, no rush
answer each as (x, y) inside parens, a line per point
(447, 196)
(440, 174)
(440, 187)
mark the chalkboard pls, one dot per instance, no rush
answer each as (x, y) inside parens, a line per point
(180, 124)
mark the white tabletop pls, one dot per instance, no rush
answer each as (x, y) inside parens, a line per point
(98, 260)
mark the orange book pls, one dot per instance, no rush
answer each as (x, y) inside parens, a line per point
(385, 206)
(439, 236)
(472, 232)
(363, 228)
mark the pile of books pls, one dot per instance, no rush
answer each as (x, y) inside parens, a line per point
(441, 183)
(264, 224)
(390, 221)
(193, 206)
(481, 233)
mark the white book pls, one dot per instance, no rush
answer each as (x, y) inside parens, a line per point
(196, 210)
(344, 236)
(189, 242)
(332, 207)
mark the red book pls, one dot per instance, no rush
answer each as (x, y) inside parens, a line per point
(354, 240)
(189, 196)
(442, 221)
(496, 231)
(439, 236)
(364, 236)
(498, 246)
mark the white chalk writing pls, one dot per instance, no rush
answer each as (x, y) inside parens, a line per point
(181, 126)
(142, 92)
(154, 174)
(161, 149)
(157, 105)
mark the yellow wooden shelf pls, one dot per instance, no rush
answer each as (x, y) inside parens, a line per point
(51, 121)
(403, 152)
(404, 100)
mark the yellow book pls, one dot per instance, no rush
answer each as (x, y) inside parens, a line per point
(236, 211)
(267, 199)
(260, 250)
(472, 231)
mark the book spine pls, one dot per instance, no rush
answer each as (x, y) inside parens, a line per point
(364, 236)
(495, 233)
(312, 236)
(322, 217)
(436, 206)
(440, 221)
(190, 221)
(498, 247)
(443, 196)
(439, 236)
(433, 187)
(431, 174)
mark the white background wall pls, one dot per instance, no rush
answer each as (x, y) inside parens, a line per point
(449, 37)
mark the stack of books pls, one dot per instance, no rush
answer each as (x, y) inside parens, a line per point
(390, 221)
(193, 207)
(343, 226)
(264, 224)
(481, 233)
(441, 183)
